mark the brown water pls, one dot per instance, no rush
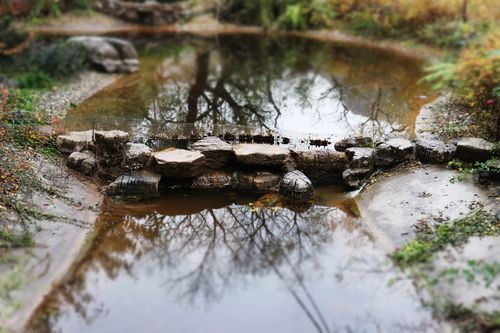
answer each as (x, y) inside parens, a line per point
(228, 262)
(233, 262)
(296, 87)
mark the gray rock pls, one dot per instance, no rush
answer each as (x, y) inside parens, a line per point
(111, 54)
(136, 156)
(394, 151)
(361, 157)
(321, 166)
(74, 141)
(435, 151)
(357, 141)
(110, 146)
(218, 153)
(355, 177)
(295, 185)
(255, 154)
(179, 163)
(214, 180)
(138, 183)
(84, 162)
(489, 171)
(261, 181)
(474, 149)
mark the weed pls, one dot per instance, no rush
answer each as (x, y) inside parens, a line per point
(452, 233)
(12, 240)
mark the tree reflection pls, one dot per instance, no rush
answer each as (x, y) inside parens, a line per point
(247, 84)
(207, 254)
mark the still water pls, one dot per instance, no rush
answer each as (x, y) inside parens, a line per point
(295, 87)
(230, 261)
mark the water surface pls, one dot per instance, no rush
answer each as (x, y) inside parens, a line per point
(296, 87)
(229, 262)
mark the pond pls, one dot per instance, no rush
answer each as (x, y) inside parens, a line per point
(230, 261)
(294, 87)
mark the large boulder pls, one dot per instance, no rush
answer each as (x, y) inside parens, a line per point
(179, 163)
(74, 141)
(111, 54)
(218, 153)
(434, 151)
(214, 180)
(394, 151)
(474, 150)
(261, 181)
(356, 141)
(84, 162)
(137, 156)
(321, 166)
(295, 185)
(361, 157)
(138, 183)
(255, 154)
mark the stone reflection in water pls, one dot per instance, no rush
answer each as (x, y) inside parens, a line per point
(228, 268)
(234, 84)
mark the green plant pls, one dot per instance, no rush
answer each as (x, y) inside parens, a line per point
(454, 233)
(34, 80)
(10, 239)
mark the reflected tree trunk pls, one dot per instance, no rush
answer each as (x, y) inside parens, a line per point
(196, 90)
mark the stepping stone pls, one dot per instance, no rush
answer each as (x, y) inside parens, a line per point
(255, 154)
(179, 163)
(136, 156)
(394, 151)
(295, 185)
(74, 141)
(474, 150)
(218, 153)
(435, 151)
(361, 157)
(357, 141)
(138, 183)
(321, 166)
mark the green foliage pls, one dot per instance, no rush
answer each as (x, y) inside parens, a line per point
(438, 237)
(60, 60)
(441, 75)
(13, 240)
(34, 80)
(284, 14)
(465, 169)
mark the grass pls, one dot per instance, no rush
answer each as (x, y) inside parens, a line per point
(12, 240)
(416, 258)
(436, 238)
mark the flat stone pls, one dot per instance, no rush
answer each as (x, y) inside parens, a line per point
(321, 166)
(74, 141)
(474, 150)
(261, 181)
(136, 156)
(357, 141)
(137, 183)
(218, 153)
(179, 163)
(434, 151)
(355, 177)
(111, 137)
(255, 154)
(394, 151)
(361, 157)
(84, 162)
(214, 180)
(295, 185)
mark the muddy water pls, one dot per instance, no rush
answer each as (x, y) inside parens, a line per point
(249, 84)
(228, 262)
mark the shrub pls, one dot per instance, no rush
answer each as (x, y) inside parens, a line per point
(34, 80)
